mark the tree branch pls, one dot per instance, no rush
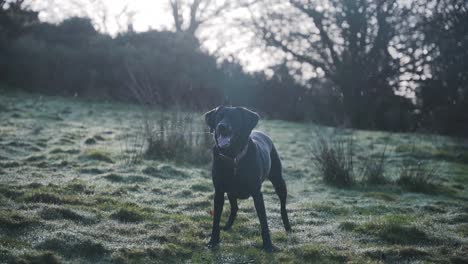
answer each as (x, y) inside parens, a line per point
(178, 19)
(271, 40)
(317, 19)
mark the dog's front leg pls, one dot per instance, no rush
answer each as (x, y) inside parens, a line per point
(232, 216)
(218, 209)
(261, 212)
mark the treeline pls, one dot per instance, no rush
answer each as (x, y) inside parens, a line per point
(169, 69)
(73, 59)
(368, 50)
(159, 68)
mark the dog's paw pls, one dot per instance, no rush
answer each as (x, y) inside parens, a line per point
(270, 248)
(227, 227)
(212, 244)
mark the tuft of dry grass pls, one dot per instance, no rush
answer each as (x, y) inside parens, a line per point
(373, 170)
(177, 136)
(417, 177)
(169, 135)
(334, 160)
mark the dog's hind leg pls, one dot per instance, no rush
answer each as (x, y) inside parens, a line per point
(232, 216)
(278, 182)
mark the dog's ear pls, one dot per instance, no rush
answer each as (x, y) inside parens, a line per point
(249, 119)
(210, 118)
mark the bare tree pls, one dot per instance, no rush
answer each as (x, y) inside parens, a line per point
(125, 19)
(189, 15)
(345, 41)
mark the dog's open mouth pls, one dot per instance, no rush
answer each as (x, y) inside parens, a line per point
(224, 141)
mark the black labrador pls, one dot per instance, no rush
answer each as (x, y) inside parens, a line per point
(242, 160)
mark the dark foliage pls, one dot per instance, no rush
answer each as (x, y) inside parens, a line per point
(89, 64)
(444, 97)
(14, 20)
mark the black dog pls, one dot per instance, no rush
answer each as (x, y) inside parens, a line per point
(242, 159)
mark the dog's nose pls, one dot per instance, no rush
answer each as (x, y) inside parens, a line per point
(223, 128)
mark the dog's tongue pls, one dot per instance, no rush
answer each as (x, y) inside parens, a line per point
(224, 141)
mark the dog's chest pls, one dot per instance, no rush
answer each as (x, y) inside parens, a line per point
(242, 181)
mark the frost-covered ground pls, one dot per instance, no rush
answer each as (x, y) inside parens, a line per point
(68, 194)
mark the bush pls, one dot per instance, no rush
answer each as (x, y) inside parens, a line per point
(177, 136)
(417, 178)
(334, 160)
(373, 172)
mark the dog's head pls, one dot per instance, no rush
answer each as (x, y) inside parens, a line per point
(231, 125)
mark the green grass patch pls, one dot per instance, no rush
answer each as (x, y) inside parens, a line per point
(97, 155)
(37, 258)
(202, 187)
(72, 245)
(74, 192)
(413, 150)
(9, 164)
(11, 241)
(10, 220)
(90, 141)
(319, 254)
(450, 153)
(395, 229)
(199, 204)
(92, 170)
(53, 213)
(348, 226)
(64, 151)
(131, 213)
(49, 198)
(370, 210)
(461, 174)
(35, 158)
(172, 251)
(329, 208)
(165, 172)
(10, 192)
(113, 177)
(78, 187)
(462, 230)
(397, 254)
(381, 196)
(127, 215)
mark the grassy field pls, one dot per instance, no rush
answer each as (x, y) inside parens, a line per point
(68, 193)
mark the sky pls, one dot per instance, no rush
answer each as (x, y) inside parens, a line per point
(147, 14)
(112, 16)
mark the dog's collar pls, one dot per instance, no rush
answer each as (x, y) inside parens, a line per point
(237, 158)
